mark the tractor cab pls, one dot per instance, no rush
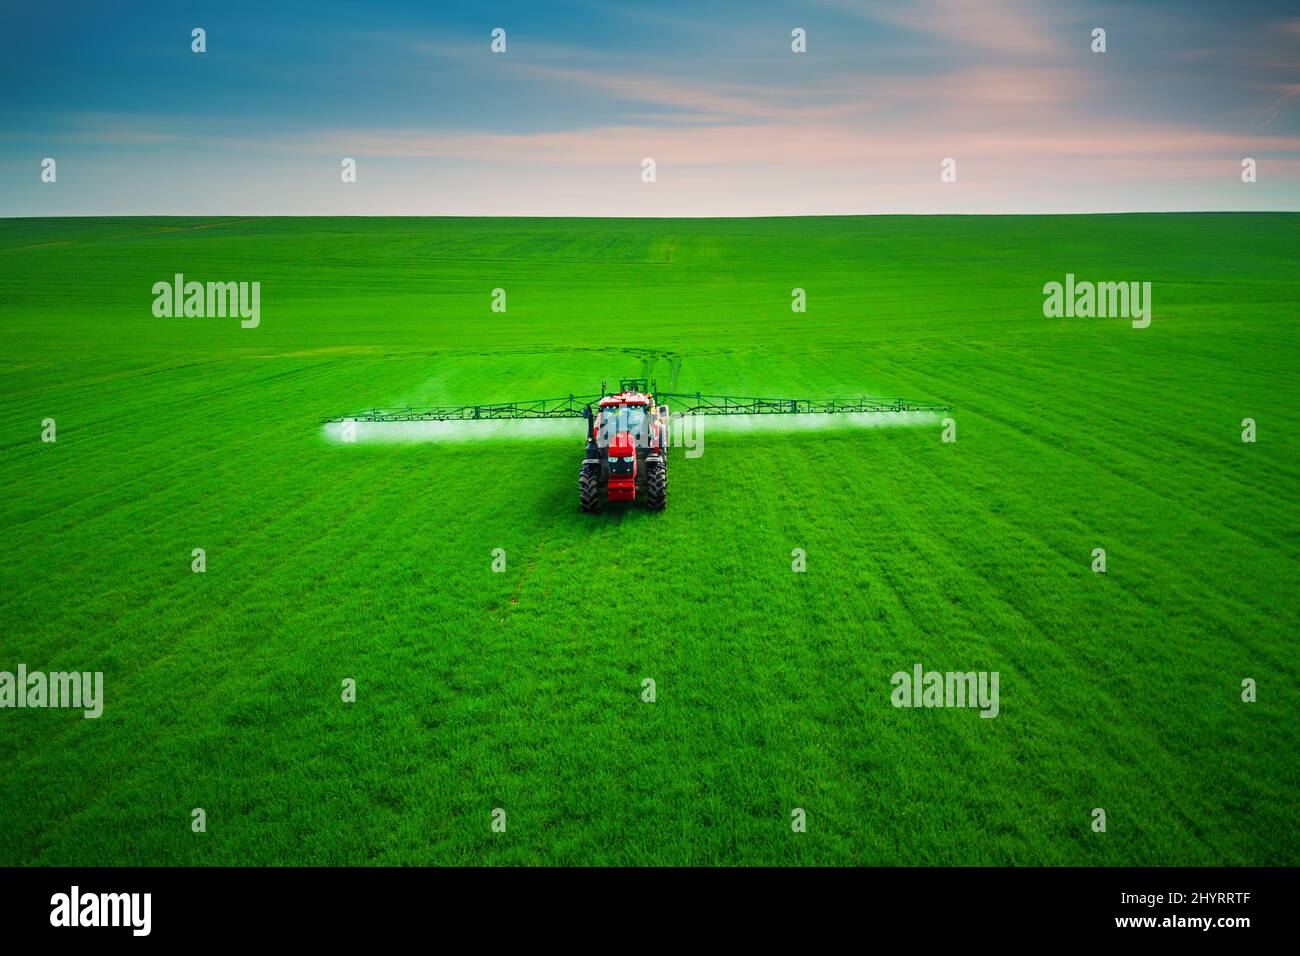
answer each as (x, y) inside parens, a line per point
(623, 414)
(628, 411)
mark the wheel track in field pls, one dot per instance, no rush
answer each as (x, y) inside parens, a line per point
(1187, 592)
(1188, 589)
(212, 693)
(1130, 479)
(151, 404)
(253, 543)
(1044, 635)
(184, 461)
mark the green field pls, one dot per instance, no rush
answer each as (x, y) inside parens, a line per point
(521, 690)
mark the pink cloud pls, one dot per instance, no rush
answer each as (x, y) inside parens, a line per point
(1002, 27)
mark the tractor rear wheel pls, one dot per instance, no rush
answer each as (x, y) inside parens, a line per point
(656, 488)
(589, 492)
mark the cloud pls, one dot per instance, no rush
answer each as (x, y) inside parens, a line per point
(692, 95)
(996, 27)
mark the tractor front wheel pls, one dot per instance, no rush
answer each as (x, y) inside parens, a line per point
(589, 492)
(656, 488)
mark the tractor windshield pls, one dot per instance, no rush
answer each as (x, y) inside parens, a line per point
(622, 418)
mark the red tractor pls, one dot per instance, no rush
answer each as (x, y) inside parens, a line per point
(627, 441)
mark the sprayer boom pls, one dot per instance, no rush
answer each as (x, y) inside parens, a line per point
(578, 406)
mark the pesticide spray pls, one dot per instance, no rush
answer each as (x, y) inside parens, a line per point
(687, 431)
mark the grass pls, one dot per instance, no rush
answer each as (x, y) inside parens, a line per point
(521, 690)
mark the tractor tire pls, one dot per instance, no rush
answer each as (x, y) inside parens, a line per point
(589, 493)
(656, 488)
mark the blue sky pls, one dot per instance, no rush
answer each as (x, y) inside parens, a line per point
(736, 122)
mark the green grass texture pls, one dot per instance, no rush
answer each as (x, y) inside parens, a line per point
(522, 689)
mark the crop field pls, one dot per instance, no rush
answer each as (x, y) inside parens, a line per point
(522, 689)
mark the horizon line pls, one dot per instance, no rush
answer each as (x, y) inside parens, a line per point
(845, 215)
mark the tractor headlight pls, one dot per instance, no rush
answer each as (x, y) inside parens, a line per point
(613, 461)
